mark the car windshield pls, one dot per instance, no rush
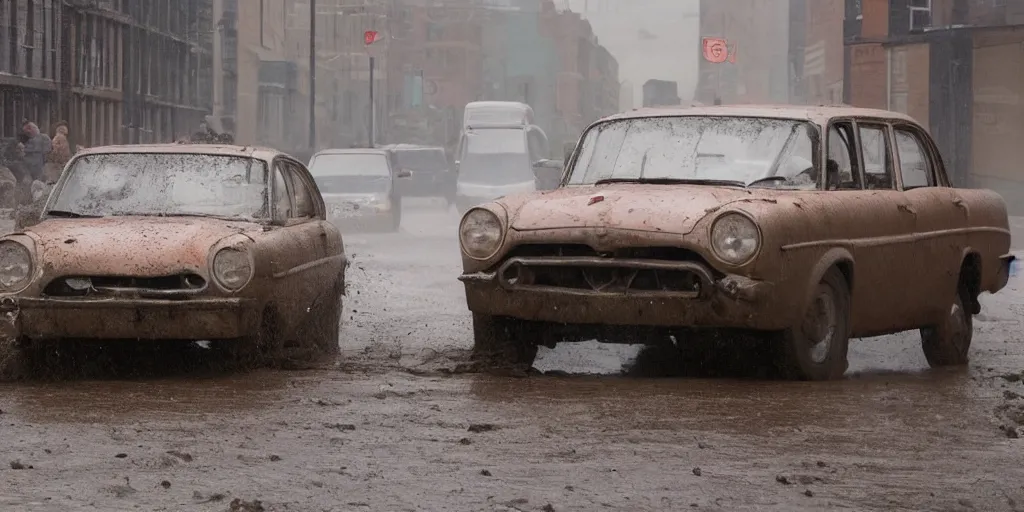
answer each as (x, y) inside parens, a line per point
(164, 184)
(350, 164)
(351, 173)
(423, 160)
(496, 141)
(741, 150)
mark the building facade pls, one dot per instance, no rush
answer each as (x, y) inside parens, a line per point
(117, 71)
(263, 53)
(955, 65)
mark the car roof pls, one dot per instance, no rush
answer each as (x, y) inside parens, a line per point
(185, 149)
(493, 103)
(409, 147)
(815, 113)
(351, 151)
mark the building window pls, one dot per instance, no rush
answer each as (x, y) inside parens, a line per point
(434, 32)
(920, 14)
(899, 67)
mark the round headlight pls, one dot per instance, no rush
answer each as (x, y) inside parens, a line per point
(480, 233)
(15, 264)
(232, 268)
(735, 238)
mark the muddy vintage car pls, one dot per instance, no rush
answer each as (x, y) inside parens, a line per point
(178, 242)
(802, 226)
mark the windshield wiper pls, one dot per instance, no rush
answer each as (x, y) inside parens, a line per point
(673, 181)
(767, 179)
(175, 214)
(70, 215)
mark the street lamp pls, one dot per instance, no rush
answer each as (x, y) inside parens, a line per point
(312, 75)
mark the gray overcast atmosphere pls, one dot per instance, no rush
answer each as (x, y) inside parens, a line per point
(650, 39)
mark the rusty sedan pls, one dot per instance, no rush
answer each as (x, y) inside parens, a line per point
(805, 227)
(178, 242)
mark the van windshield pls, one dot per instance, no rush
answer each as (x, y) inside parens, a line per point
(496, 141)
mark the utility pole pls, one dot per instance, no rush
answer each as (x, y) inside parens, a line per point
(312, 75)
(373, 109)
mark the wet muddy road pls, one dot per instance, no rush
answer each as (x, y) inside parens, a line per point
(389, 429)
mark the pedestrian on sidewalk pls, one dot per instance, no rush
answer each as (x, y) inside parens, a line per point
(12, 171)
(59, 154)
(37, 146)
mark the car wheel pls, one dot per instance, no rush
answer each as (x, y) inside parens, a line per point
(396, 221)
(325, 325)
(502, 341)
(263, 347)
(948, 343)
(816, 349)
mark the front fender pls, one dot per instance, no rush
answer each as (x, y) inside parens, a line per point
(831, 258)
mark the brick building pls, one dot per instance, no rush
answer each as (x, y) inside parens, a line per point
(822, 60)
(117, 71)
(955, 65)
(442, 58)
(262, 91)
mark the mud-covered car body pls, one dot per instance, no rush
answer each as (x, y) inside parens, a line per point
(175, 242)
(615, 250)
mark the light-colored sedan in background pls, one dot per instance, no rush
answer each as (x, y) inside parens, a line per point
(358, 187)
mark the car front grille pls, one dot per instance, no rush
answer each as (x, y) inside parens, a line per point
(646, 271)
(183, 285)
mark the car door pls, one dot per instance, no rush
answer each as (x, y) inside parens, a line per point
(289, 248)
(878, 234)
(941, 216)
(330, 244)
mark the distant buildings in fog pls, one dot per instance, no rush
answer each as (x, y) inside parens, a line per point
(659, 93)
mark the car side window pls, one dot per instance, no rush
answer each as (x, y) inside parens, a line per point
(282, 198)
(841, 162)
(877, 165)
(302, 198)
(915, 168)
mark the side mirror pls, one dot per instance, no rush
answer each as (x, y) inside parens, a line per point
(404, 173)
(544, 163)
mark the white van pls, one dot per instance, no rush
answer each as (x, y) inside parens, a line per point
(482, 113)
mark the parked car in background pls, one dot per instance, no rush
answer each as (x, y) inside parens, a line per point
(359, 188)
(805, 226)
(430, 175)
(179, 242)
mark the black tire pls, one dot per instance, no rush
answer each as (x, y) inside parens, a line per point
(325, 325)
(264, 347)
(948, 343)
(502, 341)
(827, 319)
(396, 216)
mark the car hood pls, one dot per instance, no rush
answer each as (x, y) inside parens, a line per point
(136, 246)
(357, 198)
(663, 208)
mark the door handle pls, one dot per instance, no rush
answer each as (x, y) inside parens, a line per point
(906, 208)
(959, 203)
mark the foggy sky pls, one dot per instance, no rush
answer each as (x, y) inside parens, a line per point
(626, 28)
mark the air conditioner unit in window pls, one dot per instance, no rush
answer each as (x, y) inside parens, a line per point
(920, 14)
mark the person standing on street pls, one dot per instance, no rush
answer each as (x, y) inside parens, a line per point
(37, 146)
(59, 154)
